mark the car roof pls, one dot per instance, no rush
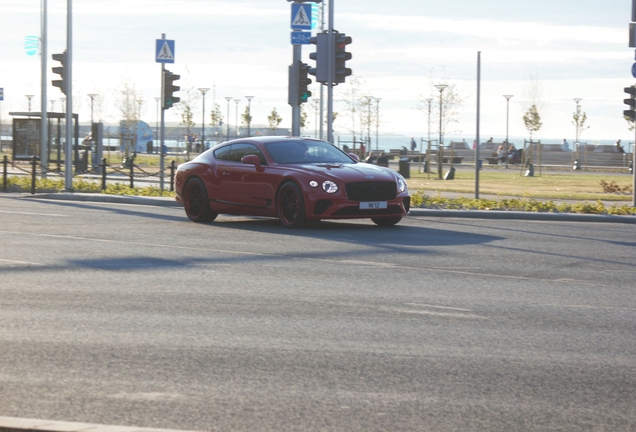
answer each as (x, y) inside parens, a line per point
(269, 139)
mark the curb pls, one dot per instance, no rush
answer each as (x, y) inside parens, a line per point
(16, 424)
(418, 212)
(120, 199)
(518, 215)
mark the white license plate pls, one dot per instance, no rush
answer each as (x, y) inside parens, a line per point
(373, 205)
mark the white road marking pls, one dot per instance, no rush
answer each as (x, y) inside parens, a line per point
(33, 214)
(20, 262)
(437, 307)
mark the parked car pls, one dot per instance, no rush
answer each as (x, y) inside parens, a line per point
(294, 179)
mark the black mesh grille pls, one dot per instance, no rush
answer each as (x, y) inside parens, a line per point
(371, 191)
(355, 211)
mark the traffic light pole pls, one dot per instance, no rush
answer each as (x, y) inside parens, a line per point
(44, 136)
(294, 99)
(68, 83)
(330, 73)
(163, 124)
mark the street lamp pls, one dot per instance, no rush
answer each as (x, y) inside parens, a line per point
(428, 147)
(377, 121)
(249, 114)
(52, 105)
(369, 100)
(203, 91)
(507, 118)
(92, 96)
(236, 127)
(157, 99)
(228, 99)
(440, 146)
(29, 97)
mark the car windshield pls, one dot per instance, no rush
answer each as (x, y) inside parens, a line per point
(306, 151)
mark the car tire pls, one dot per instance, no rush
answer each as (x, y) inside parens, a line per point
(196, 202)
(290, 206)
(386, 221)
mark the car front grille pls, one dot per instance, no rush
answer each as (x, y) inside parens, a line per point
(371, 191)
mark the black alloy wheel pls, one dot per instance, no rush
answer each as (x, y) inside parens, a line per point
(196, 202)
(290, 206)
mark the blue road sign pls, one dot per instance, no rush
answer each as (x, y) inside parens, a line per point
(634, 70)
(300, 38)
(1, 94)
(164, 50)
(300, 16)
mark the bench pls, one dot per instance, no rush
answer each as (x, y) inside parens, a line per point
(493, 160)
(456, 159)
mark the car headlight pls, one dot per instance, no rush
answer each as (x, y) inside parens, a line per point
(329, 187)
(313, 183)
(401, 183)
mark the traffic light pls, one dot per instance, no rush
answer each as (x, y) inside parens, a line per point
(341, 56)
(169, 99)
(60, 71)
(303, 83)
(630, 114)
(320, 56)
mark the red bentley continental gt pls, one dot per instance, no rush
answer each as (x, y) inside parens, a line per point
(294, 179)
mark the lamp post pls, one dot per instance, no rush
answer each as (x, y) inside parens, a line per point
(63, 101)
(440, 146)
(249, 114)
(52, 105)
(92, 96)
(428, 147)
(203, 91)
(29, 97)
(228, 99)
(236, 125)
(507, 118)
(377, 121)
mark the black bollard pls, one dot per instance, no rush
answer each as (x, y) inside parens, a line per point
(33, 165)
(132, 184)
(173, 166)
(4, 175)
(104, 174)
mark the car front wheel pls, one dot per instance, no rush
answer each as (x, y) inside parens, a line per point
(290, 206)
(196, 202)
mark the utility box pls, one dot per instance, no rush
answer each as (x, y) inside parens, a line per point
(405, 167)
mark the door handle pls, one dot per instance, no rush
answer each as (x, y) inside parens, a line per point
(226, 173)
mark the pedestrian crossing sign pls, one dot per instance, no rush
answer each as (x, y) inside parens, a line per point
(164, 51)
(300, 16)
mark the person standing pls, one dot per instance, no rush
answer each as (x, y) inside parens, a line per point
(413, 144)
(565, 146)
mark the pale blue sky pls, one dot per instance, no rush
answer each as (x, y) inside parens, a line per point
(574, 49)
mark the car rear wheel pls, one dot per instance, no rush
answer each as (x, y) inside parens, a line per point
(386, 221)
(290, 206)
(196, 202)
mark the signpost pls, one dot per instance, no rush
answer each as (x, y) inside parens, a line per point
(300, 16)
(300, 38)
(164, 53)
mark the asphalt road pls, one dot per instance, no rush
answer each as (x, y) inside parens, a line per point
(132, 315)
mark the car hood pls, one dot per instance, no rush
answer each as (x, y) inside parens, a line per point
(348, 172)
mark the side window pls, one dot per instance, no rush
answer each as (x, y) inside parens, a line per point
(240, 150)
(222, 153)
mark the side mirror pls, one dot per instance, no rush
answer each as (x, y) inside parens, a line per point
(354, 157)
(252, 160)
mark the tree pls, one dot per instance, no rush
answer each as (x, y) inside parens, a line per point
(579, 119)
(303, 117)
(246, 118)
(451, 102)
(129, 102)
(352, 98)
(216, 118)
(274, 120)
(532, 120)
